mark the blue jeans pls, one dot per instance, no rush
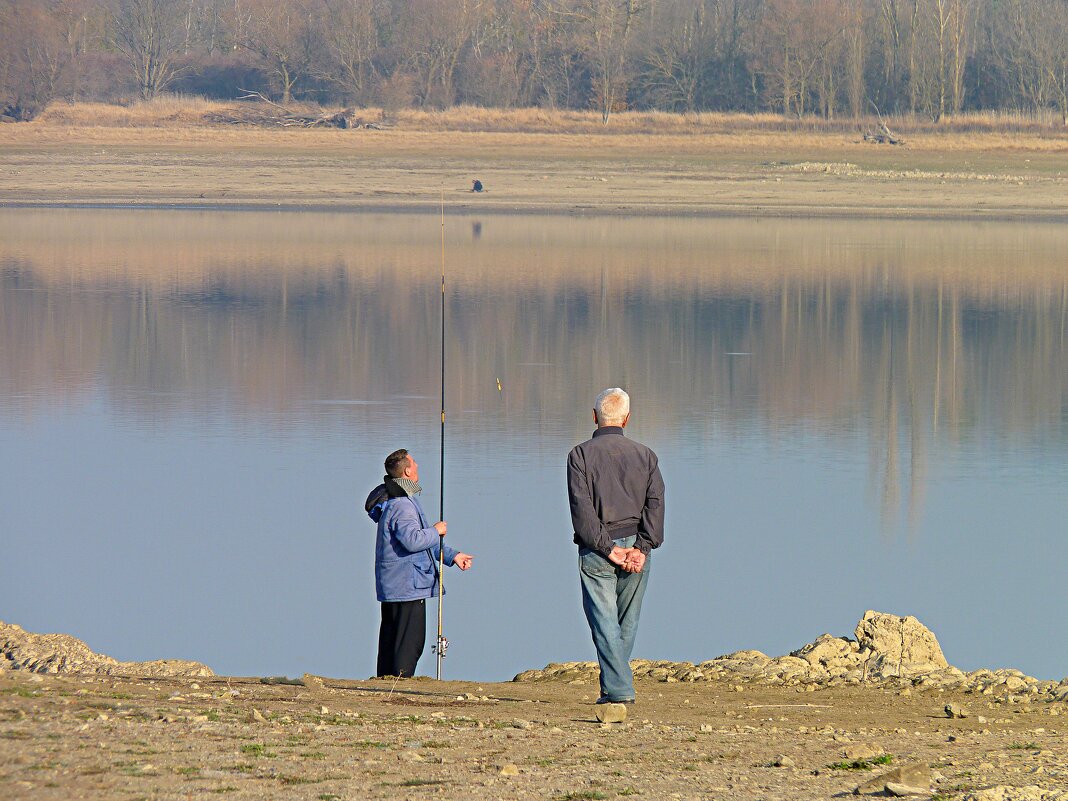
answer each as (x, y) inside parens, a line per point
(612, 601)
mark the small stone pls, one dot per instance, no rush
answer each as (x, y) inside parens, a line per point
(955, 711)
(915, 774)
(509, 770)
(783, 761)
(611, 713)
(981, 719)
(194, 686)
(862, 751)
(323, 710)
(255, 716)
(519, 723)
(411, 756)
(900, 790)
(706, 728)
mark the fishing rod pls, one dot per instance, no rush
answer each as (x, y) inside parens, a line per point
(442, 643)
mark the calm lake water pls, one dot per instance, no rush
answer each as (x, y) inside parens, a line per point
(849, 416)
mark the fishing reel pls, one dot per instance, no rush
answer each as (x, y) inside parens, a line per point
(442, 646)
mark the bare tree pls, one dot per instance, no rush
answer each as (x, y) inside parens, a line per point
(680, 43)
(351, 34)
(279, 33)
(150, 36)
(799, 41)
(604, 32)
(1049, 50)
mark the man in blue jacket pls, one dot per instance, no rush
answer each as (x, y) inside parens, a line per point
(406, 567)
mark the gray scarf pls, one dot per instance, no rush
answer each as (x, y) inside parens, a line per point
(409, 486)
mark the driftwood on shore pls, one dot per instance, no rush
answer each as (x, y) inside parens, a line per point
(265, 113)
(883, 136)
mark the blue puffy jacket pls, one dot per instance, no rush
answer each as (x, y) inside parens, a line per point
(406, 552)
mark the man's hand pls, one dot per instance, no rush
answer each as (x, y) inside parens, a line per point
(618, 556)
(440, 526)
(463, 560)
(635, 561)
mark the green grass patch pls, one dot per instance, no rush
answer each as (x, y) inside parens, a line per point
(189, 770)
(16, 735)
(291, 780)
(419, 782)
(366, 744)
(629, 791)
(312, 755)
(582, 795)
(1025, 746)
(21, 692)
(863, 764)
(258, 750)
(329, 797)
(227, 789)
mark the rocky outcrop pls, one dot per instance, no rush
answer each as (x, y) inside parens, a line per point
(887, 650)
(898, 646)
(61, 653)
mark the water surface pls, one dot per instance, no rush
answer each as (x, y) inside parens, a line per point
(849, 415)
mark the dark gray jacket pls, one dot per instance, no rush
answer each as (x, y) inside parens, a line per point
(616, 490)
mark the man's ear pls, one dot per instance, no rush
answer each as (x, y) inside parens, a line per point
(625, 419)
(595, 417)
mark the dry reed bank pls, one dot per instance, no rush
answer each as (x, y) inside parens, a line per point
(188, 151)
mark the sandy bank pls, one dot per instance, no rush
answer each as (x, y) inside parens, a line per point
(983, 176)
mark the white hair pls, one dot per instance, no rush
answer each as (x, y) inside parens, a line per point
(612, 407)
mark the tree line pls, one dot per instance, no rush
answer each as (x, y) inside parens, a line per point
(828, 58)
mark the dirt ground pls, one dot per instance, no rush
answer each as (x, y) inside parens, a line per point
(745, 173)
(64, 737)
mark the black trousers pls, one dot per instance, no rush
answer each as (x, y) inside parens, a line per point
(401, 637)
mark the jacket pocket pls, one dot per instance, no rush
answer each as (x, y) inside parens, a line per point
(423, 577)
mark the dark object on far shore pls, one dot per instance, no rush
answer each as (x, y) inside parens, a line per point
(476, 186)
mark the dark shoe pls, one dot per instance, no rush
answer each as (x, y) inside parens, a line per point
(604, 699)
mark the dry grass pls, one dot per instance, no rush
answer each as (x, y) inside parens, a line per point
(176, 111)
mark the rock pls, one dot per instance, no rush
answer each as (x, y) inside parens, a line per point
(915, 774)
(611, 713)
(895, 789)
(862, 751)
(830, 653)
(955, 711)
(509, 770)
(255, 716)
(783, 761)
(899, 646)
(61, 653)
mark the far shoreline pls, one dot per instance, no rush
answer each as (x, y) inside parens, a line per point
(726, 167)
(1031, 216)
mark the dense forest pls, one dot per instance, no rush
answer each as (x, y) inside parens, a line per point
(795, 57)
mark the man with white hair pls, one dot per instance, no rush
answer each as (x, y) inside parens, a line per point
(617, 509)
